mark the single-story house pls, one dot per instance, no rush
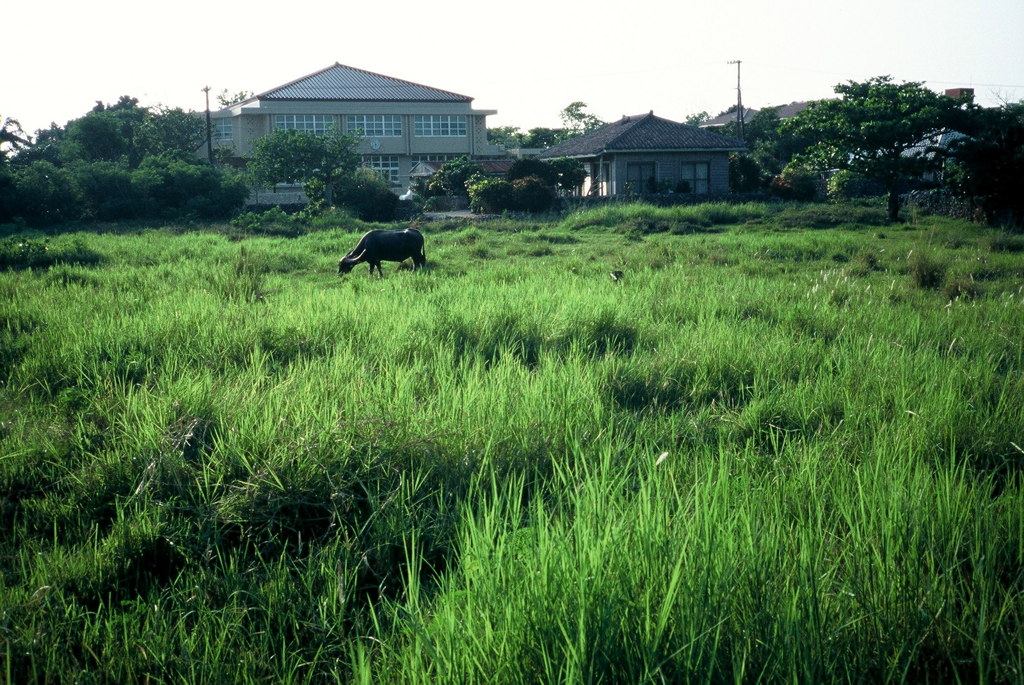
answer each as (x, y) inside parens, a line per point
(644, 153)
(400, 123)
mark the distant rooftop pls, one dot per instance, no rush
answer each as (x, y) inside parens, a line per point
(340, 82)
(784, 112)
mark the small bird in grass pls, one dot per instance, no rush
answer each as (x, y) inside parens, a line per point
(616, 275)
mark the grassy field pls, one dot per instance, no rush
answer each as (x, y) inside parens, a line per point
(784, 444)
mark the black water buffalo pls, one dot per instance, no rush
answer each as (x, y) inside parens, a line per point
(378, 246)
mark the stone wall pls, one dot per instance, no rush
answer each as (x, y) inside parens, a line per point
(940, 202)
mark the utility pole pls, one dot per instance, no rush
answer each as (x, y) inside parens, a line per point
(209, 133)
(739, 100)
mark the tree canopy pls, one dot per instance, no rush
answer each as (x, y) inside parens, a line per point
(988, 164)
(577, 120)
(574, 116)
(292, 156)
(12, 138)
(454, 176)
(118, 161)
(879, 129)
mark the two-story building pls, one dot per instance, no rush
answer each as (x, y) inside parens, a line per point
(400, 123)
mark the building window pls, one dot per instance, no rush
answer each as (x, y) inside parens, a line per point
(222, 130)
(640, 178)
(387, 165)
(374, 125)
(416, 159)
(441, 126)
(697, 175)
(311, 123)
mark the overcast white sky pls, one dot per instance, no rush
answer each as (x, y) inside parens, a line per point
(526, 59)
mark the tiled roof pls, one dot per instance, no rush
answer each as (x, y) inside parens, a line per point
(723, 119)
(943, 140)
(339, 82)
(784, 112)
(491, 167)
(644, 132)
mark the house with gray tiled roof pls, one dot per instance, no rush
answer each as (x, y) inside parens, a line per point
(645, 153)
(399, 123)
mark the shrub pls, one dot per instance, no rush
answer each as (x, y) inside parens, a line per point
(830, 216)
(491, 195)
(1005, 242)
(926, 272)
(961, 288)
(273, 221)
(108, 192)
(162, 187)
(188, 187)
(454, 177)
(744, 174)
(532, 194)
(22, 253)
(865, 262)
(795, 183)
(30, 253)
(847, 185)
(525, 168)
(45, 194)
(570, 172)
(367, 195)
(7, 194)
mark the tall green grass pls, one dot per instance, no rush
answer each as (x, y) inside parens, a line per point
(754, 455)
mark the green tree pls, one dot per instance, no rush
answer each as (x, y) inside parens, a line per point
(106, 192)
(171, 131)
(367, 194)
(454, 177)
(772, 144)
(697, 119)
(577, 120)
(543, 137)
(118, 161)
(45, 147)
(878, 129)
(508, 137)
(571, 173)
(522, 168)
(290, 156)
(744, 174)
(100, 137)
(45, 194)
(532, 194)
(108, 133)
(188, 186)
(562, 173)
(12, 139)
(491, 195)
(527, 194)
(988, 165)
(226, 99)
